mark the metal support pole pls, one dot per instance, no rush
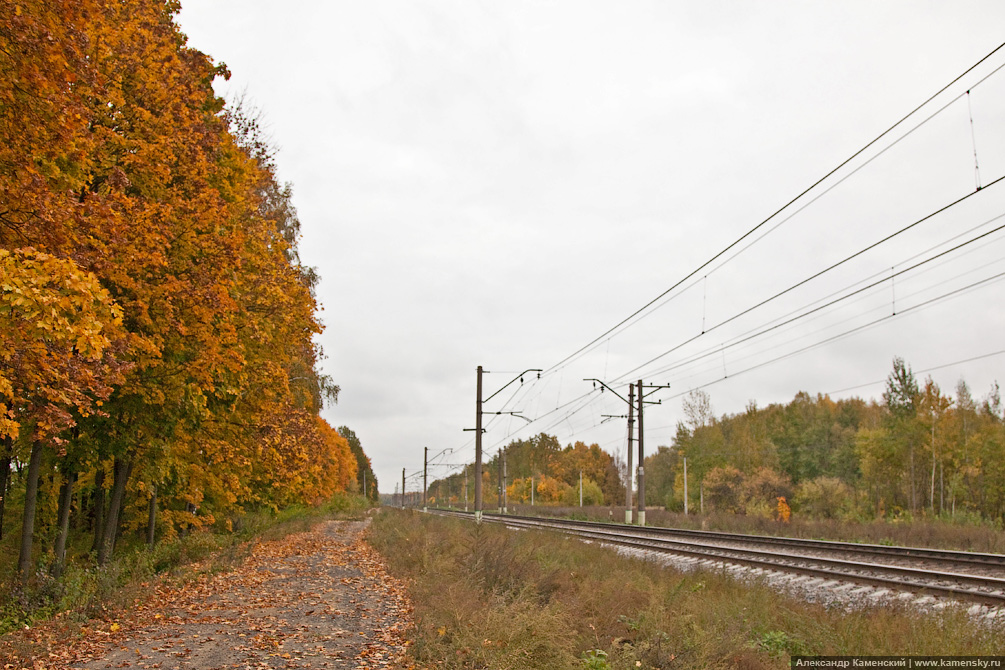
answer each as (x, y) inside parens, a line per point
(580, 488)
(631, 406)
(425, 471)
(685, 486)
(499, 484)
(465, 489)
(642, 459)
(505, 484)
(478, 449)
(403, 488)
(631, 435)
(532, 490)
(478, 437)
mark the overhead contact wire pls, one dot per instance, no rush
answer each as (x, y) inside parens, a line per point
(812, 277)
(858, 291)
(776, 213)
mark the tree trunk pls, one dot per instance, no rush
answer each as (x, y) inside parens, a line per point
(914, 496)
(98, 504)
(942, 488)
(30, 499)
(65, 502)
(5, 456)
(152, 518)
(932, 493)
(122, 469)
(122, 499)
(78, 493)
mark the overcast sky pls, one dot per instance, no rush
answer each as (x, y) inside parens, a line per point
(500, 183)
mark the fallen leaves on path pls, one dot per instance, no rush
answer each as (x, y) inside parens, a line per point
(320, 599)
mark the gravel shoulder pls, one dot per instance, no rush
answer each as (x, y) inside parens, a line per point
(320, 599)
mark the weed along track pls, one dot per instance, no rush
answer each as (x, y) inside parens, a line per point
(837, 567)
(485, 596)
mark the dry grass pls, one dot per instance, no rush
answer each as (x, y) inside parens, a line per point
(488, 597)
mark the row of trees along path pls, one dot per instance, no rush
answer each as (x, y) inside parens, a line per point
(157, 366)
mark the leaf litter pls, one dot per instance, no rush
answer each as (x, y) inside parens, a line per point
(318, 599)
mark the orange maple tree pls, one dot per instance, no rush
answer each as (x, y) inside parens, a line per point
(58, 327)
(123, 172)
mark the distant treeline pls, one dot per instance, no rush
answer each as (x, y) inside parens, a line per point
(916, 451)
(555, 472)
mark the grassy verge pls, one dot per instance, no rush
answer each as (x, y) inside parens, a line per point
(488, 597)
(86, 591)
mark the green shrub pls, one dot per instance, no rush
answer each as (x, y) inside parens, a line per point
(824, 498)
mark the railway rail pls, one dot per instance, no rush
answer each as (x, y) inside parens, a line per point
(956, 575)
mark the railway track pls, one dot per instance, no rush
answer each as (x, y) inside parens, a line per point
(955, 575)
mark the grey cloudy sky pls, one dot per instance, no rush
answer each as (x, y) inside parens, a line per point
(499, 183)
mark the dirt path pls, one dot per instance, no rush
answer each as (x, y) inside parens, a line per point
(319, 599)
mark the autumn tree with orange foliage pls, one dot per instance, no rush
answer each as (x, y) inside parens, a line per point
(122, 169)
(555, 471)
(59, 328)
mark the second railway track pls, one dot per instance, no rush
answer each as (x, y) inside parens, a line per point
(956, 575)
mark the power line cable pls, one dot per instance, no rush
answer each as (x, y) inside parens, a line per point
(772, 216)
(871, 324)
(884, 273)
(565, 417)
(539, 418)
(888, 317)
(814, 310)
(810, 278)
(793, 214)
(862, 166)
(590, 345)
(910, 295)
(921, 372)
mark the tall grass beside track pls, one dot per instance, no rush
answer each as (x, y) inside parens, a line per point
(488, 597)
